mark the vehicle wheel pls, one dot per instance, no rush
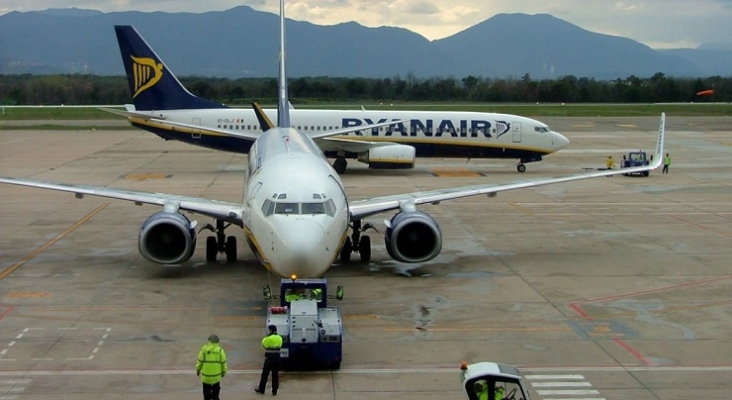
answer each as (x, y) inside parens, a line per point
(231, 249)
(364, 248)
(646, 173)
(339, 165)
(335, 365)
(521, 168)
(211, 249)
(346, 251)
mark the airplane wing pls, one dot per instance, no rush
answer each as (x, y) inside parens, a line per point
(230, 212)
(364, 208)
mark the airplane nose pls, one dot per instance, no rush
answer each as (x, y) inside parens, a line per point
(560, 141)
(305, 251)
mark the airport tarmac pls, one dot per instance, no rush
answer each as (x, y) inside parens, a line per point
(608, 288)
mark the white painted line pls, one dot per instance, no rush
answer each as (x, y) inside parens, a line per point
(561, 384)
(97, 349)
(15, 382)
(7, 359)
(11, 397)
(67, 329)
(77, 359)
(20, 335)
(12, 389)
(566, 392)
(41, 359)
(2, 353)
(11, 344)
(101, 342)
(557, 377)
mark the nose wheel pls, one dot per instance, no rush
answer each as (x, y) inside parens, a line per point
(362, 243)
(219, 243)
(520, 167)
(340, 164)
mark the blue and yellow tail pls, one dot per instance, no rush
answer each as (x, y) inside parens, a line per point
(152, 85)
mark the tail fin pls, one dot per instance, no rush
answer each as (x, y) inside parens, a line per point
(152, 85)
(283, 102)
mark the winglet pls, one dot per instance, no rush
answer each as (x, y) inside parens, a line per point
(659, 145)
(264, 121)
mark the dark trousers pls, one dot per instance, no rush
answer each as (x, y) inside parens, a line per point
(665, 169)
(211, 392)
(271, 363)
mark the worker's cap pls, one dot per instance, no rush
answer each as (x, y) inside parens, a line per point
(272, 328)
(213, 339)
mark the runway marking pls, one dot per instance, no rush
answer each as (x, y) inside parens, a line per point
(454, 172)
(51, 242)
(700, 226)
(633, 351)
(145, 176)
(474, 329)
(563, 385)
(28, 295)
(520, 208)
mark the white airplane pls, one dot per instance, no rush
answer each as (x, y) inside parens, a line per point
(163, 106)
(295, 211)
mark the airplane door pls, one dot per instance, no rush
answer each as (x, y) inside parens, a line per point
(516, 132)
(197, 122)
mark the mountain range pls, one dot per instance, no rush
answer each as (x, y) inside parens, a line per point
(242, 42)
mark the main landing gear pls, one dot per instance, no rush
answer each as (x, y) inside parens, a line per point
(362, 243)
(219, 243)
(520, 167)
(340, 164)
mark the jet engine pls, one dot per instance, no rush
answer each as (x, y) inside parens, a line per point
(167, 238)
(413, 237)
(393, 156)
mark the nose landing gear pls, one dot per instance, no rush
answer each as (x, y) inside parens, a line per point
(219, 243)
(357, 243)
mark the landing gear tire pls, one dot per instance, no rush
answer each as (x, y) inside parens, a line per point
(340, 164)
(521, 168)
(346, 251)
(364, 248)
(230, 249)
(211, 249)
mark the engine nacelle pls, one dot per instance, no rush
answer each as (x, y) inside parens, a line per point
(393, 156)
(413, 237)
(167, 238)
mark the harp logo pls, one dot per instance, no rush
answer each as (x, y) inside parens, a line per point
(146, 73)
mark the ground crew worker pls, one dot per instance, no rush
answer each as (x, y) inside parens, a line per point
(211, 367)
(481, 389)
(271, 345)
(666, 163)
(499, 393)
(316, 294)
(609, 164)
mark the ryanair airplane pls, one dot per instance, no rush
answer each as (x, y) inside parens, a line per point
(295, 211)
(163, 106)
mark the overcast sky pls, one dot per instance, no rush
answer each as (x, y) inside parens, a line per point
(656, 23)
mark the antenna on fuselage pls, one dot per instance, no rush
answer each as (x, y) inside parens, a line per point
(283, 110)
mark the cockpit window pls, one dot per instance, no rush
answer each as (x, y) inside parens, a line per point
(287, 208)
(270, 207)
(542, 129)
(313, 208)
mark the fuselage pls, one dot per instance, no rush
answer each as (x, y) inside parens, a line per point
(296, 211)
(431, 133)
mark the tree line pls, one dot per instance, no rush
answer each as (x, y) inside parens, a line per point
(98, 90)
